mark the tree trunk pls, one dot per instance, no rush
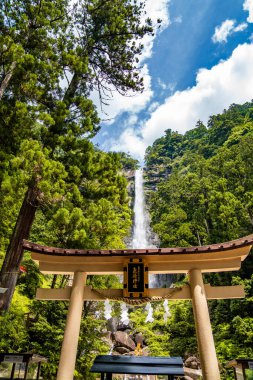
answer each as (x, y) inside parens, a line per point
(71, 90)
(10, 268)
(54, 281)
(7, 79)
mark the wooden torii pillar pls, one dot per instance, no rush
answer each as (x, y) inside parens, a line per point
(193, 260)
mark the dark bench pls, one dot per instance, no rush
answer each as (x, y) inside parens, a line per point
(107, 365)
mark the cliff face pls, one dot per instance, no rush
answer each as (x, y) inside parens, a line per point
(153, 175)
(129, 174)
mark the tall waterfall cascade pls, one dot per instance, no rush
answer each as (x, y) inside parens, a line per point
(142, 233)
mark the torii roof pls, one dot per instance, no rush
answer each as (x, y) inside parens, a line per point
(210, 258)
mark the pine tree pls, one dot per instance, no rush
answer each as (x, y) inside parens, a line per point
(94, 45)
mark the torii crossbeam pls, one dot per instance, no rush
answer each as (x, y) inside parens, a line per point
(193, 260)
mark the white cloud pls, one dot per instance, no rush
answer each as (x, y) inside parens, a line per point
(158, 9)
(162, 84)
(241, 27)
(227, 82)
(248, 6)
(130, 142)
(153, 106)
(222, 32)
(131, 121)
(118, 103)
(135, 102)
(227, 28)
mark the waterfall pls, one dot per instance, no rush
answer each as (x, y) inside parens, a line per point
(142, 235)
(140, 238)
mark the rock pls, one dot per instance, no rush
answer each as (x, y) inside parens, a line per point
(114, 353)
(139, 338)
(112, 324)
(123, 339)
(122, 350)
(193, 374)
(123, 326)
(192, 362)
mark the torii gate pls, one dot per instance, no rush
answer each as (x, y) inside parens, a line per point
(192, 260)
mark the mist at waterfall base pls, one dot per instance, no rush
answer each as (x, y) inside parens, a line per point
(143, 236)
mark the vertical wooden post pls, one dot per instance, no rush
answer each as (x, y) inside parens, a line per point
(70, 341)
(13, 371)
(209, 362)
(26, 369)
(38, 371)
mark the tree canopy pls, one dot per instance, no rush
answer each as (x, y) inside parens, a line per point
(52, 55)
(202, 194)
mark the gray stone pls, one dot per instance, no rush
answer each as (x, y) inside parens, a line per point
(112, 324)
(139, 338)
(122, 350)
(192, 362)
(123, 326)
(123, 339)
(193, 374)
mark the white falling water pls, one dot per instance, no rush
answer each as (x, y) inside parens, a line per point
(140, 239)
(142, 234)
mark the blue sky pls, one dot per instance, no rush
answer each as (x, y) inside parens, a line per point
(197, 64)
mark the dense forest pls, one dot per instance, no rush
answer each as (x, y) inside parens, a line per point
(58, 189)
(200, 191)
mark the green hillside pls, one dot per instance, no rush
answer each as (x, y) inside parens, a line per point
(200, 191)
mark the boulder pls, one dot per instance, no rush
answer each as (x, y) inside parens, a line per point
(123, 339)
(192, 362)
(193, 374)
(123, 326)
(139, 338)
(112, 324)
(121, 350)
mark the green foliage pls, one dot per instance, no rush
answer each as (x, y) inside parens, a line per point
(91, 344)
(127, 162)
(47, 71)
(175, 337)
(155, 334)
(207, 198)
(46, 125)
(13, 329)
(205, 195)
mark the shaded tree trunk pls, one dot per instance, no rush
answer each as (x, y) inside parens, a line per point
(54, 281)
(10, 268)
(7, 79)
